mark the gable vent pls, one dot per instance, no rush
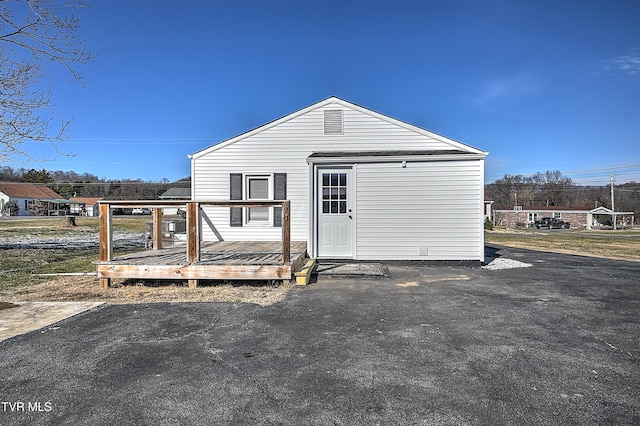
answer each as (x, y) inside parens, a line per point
(332, 121)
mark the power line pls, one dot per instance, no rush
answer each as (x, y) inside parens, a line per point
(603, 169)
(142, 182)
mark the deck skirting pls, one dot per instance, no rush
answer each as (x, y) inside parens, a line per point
(225, 260)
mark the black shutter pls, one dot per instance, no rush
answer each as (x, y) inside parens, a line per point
(279, 193)
(235, 186)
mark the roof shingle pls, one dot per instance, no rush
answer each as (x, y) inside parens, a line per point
(27, 190)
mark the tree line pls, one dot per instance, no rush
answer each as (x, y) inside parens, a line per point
(551, 188)
(71, 184)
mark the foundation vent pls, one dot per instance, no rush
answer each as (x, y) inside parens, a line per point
(333, 124)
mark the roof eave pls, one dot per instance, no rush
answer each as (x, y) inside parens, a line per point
(394, 158)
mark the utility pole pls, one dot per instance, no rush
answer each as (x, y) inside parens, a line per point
(613, 206)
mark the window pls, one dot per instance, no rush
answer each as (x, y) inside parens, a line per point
(334, 193)
(557, 215)
(258, 189)
(532, 217)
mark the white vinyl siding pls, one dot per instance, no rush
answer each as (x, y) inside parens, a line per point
(333, 122)
(434, 214)
(283, 147)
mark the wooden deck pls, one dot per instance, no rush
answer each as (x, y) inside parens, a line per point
(197, 259)
(233, 260)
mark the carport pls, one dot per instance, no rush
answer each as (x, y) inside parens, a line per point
(603, 216)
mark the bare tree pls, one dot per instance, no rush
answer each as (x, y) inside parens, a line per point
(554, 188)
(33, 35)
(550, 188)
(511, 190)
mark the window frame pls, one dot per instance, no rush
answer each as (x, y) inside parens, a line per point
(247, 179)
(341, 199)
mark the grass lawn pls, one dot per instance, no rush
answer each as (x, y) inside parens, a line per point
(623, 245)
(21, 260)
(24, 257)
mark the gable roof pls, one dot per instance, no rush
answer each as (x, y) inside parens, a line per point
(27, 190)
(455, 145)
(556, 208)
(601, 210)
(176, 193)
(89, 201)
(606, 211)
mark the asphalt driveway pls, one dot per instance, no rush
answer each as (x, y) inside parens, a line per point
(554, 343)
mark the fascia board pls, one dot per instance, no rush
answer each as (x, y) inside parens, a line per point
(394, 158)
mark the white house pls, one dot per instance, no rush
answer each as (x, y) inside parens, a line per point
(362, 186)
(175, 193)
(27, 199)
(84, 206)
(578, 217)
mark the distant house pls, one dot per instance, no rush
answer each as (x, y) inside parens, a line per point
(30, 199)
(175, 194)
(488, 209)
(362, 186)
(84, 206)
(578, 217)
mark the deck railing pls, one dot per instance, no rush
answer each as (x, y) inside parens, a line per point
(194, 224)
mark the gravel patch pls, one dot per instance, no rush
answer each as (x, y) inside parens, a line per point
(496, 263)
(72, 241)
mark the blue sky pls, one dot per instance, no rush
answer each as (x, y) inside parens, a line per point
(541, 85)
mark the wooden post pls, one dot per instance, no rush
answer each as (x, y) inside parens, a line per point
(193, 237)
(286, 232)
(106, 240)
(157, 229)
(193, 232)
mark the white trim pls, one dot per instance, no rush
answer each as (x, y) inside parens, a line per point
(193, 181)
(393, 158)
(481, 210)
(354, 191)
(247, 177)
(312, 222)
(351, 204)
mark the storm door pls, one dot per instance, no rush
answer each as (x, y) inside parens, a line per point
(335, 213)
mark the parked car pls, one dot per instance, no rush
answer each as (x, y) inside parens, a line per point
(551, 223)
(139, 210)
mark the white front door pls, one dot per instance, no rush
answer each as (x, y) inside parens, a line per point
(335, 213)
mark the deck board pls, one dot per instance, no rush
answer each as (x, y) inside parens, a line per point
(218, 260)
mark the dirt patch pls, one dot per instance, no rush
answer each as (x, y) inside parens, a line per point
(5, 305)
(87, 289)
